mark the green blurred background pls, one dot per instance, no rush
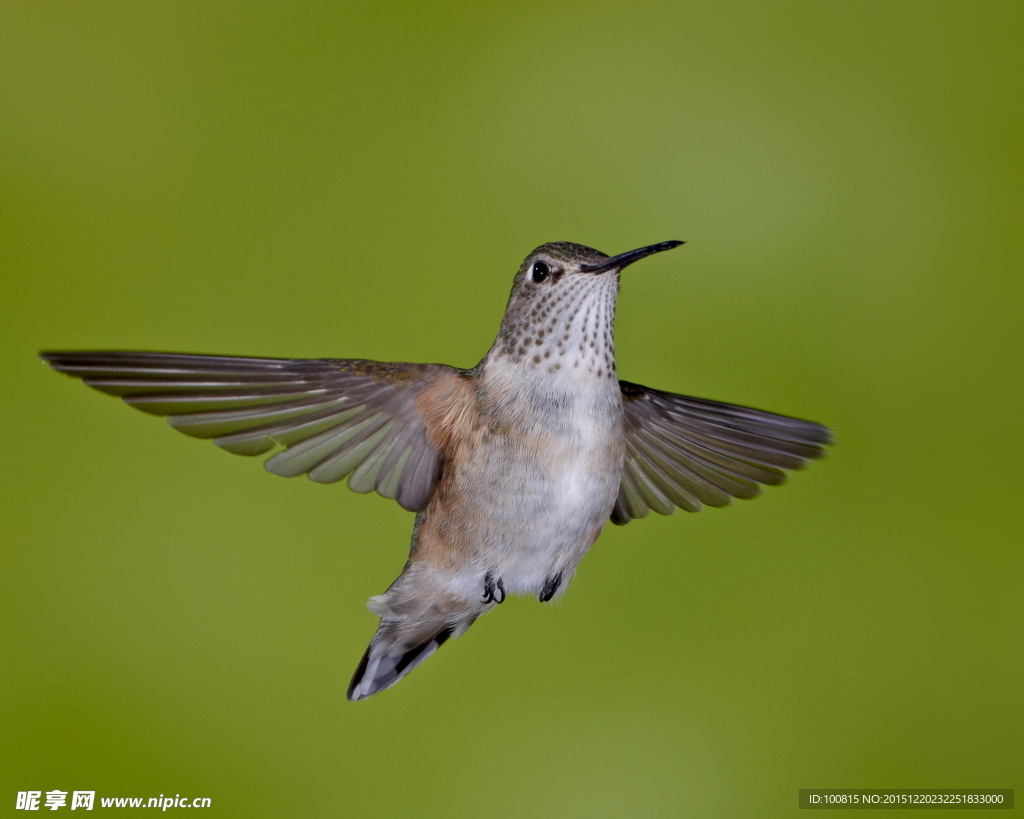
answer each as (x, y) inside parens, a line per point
(362, 180)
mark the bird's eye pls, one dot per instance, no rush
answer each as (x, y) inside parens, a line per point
(540, 271)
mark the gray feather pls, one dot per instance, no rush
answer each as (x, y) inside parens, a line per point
(687, 452)
(331, 415)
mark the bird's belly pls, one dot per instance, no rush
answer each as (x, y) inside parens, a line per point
(554, 531)
(529, 508)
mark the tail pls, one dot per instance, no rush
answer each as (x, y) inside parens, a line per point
(418, 613)
(396, 649)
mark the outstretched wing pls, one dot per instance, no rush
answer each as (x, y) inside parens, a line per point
(688, 452)
(334, 417)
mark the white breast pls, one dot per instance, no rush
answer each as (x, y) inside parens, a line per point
(552, 478)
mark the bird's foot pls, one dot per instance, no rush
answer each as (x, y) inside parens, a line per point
(494, 590)
(550, 587)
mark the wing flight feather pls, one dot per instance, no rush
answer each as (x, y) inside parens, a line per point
(334, 417)
(688, 452)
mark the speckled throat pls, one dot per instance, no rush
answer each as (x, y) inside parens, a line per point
(564, 325)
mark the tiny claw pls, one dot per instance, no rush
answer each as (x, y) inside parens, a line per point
(550, 587)
(491, 587)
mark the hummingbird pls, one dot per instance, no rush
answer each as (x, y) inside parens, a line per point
(513, 467)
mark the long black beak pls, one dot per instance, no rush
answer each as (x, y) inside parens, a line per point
(629, 257)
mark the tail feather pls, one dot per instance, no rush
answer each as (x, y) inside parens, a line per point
(389, 657)
(419, 613)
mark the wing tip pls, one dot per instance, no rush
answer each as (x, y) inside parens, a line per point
(56, 359)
